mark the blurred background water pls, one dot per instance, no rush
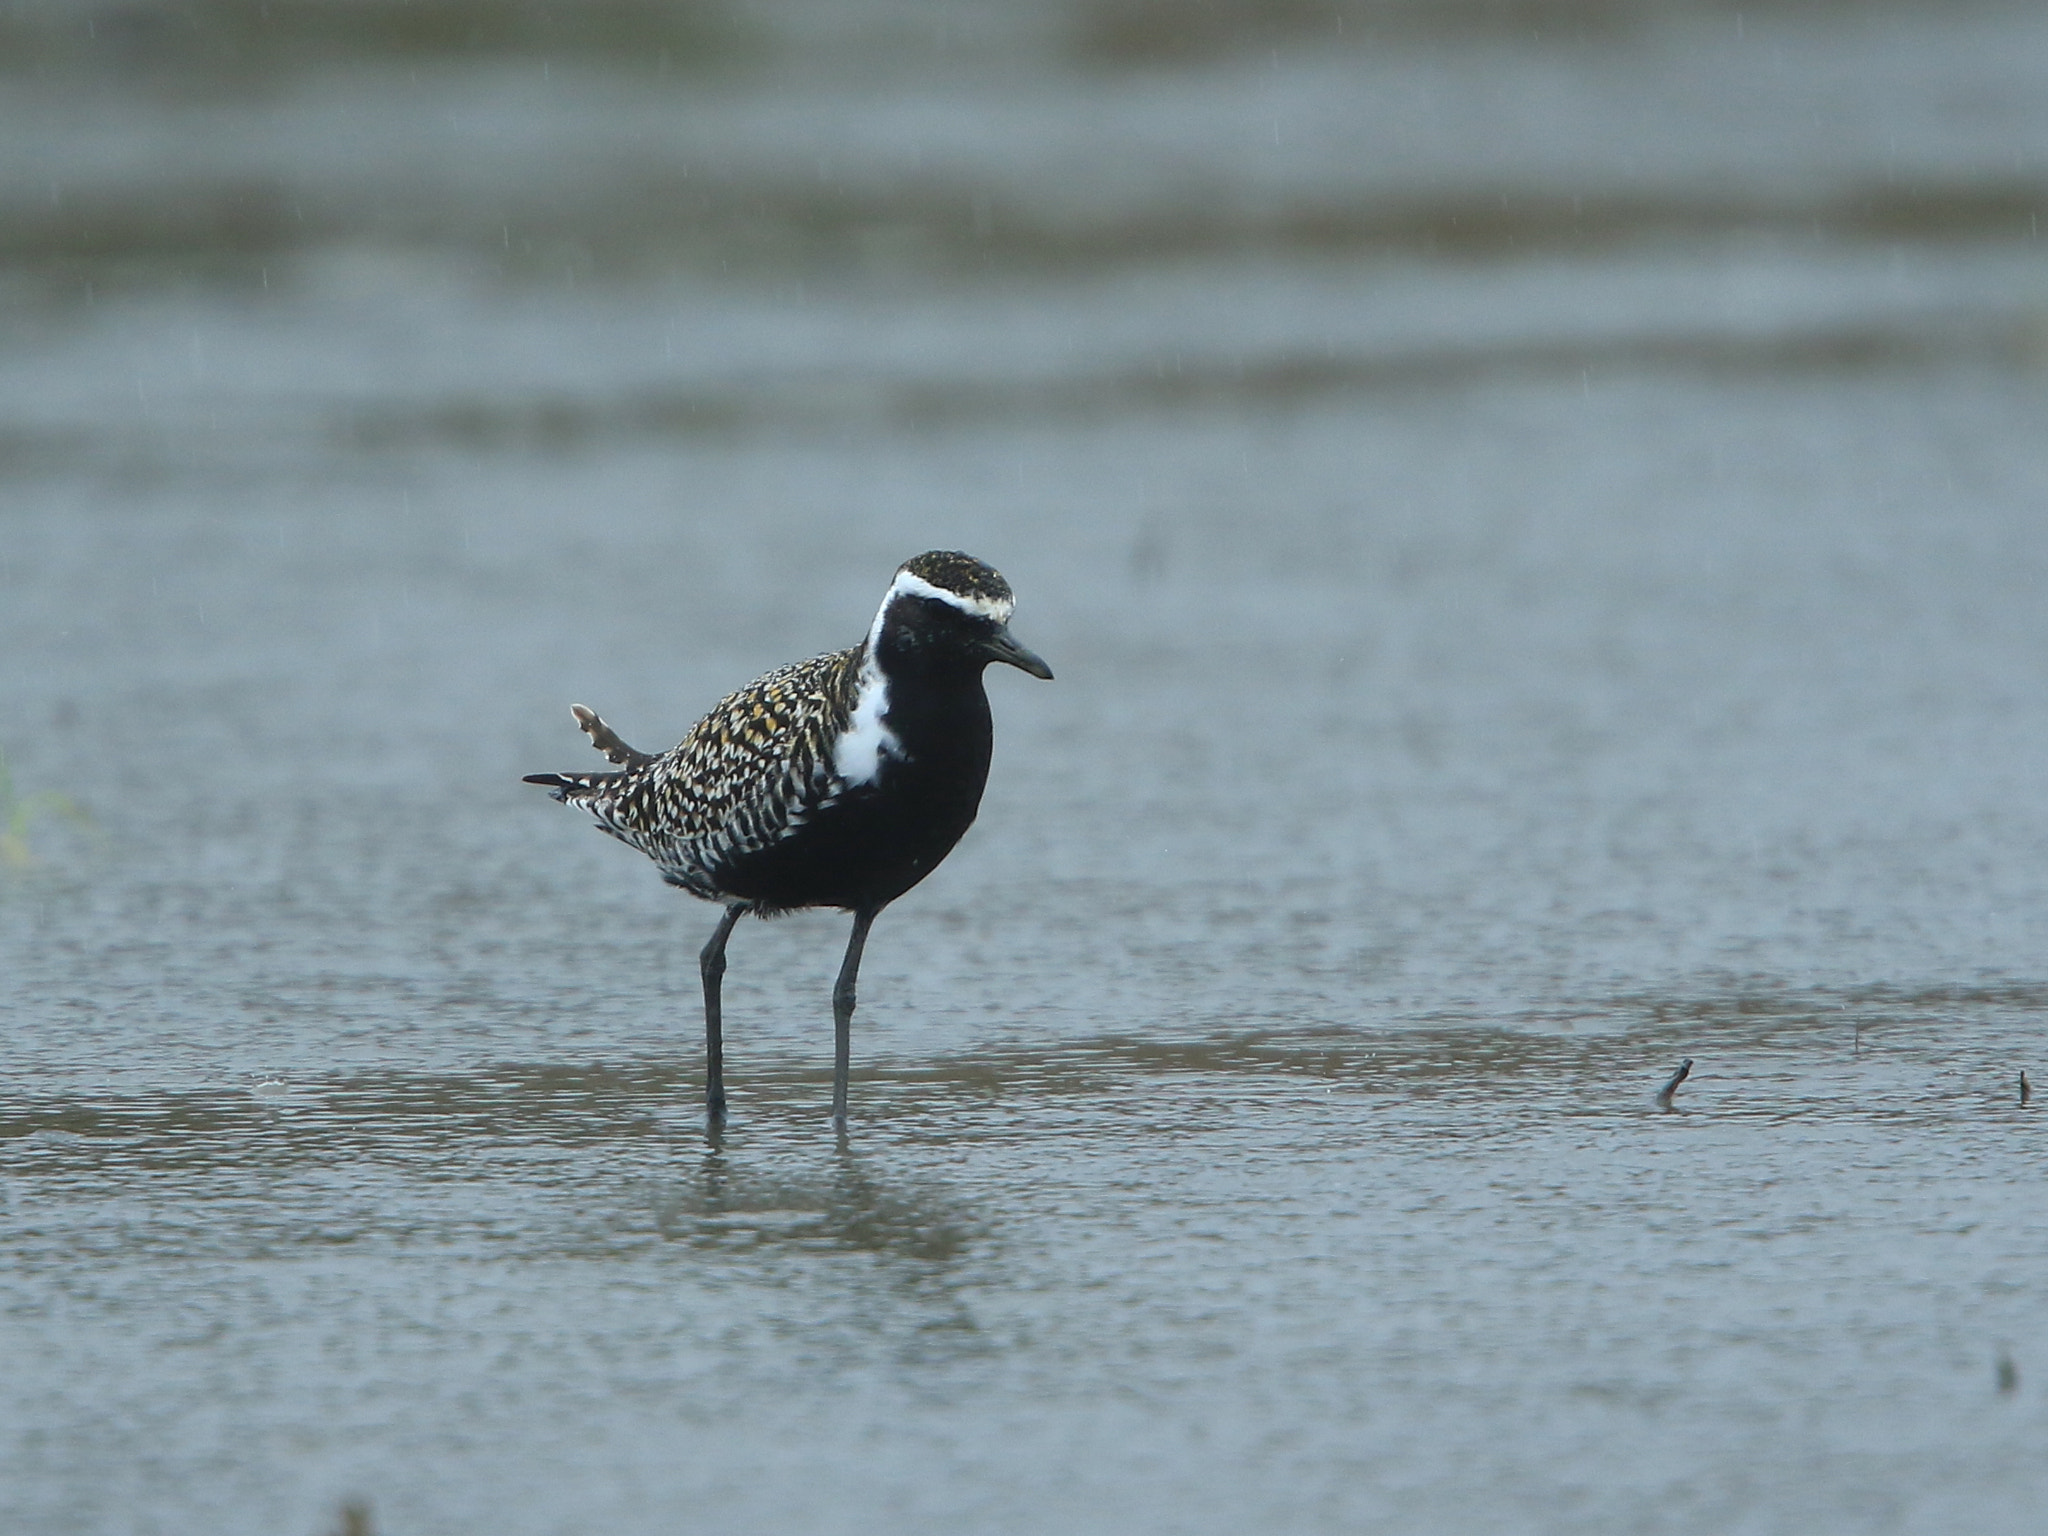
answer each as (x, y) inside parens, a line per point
(1537, 511)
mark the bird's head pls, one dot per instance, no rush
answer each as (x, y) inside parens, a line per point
(946, 609)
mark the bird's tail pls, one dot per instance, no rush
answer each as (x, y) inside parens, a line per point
(574, 788)
(579, 788)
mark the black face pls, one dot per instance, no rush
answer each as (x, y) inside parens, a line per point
(929, 631)
(947, 612)
(929, 634)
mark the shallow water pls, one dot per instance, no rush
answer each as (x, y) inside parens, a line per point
(1537, 517)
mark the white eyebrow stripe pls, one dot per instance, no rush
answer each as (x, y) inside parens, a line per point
(908, 584)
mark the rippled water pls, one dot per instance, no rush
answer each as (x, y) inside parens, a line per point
(1537, 514)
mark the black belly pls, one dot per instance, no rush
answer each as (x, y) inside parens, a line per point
(864, 851)
(878, 840)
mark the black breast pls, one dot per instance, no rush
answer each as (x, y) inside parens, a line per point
(878, 840)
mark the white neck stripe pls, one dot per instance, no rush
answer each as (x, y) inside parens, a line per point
(858, 754)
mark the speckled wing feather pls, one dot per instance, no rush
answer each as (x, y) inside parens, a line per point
(750, 772)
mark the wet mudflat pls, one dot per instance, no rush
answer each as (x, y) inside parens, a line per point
(1539, 530)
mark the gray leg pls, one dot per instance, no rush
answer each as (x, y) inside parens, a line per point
(712, 964)
(842, 1009)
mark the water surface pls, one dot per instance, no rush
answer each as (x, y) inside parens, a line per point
(1537, 516)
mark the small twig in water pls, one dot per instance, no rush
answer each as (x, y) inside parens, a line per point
(1664, 1094)
(2008, 1374)
(2026, 1092)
